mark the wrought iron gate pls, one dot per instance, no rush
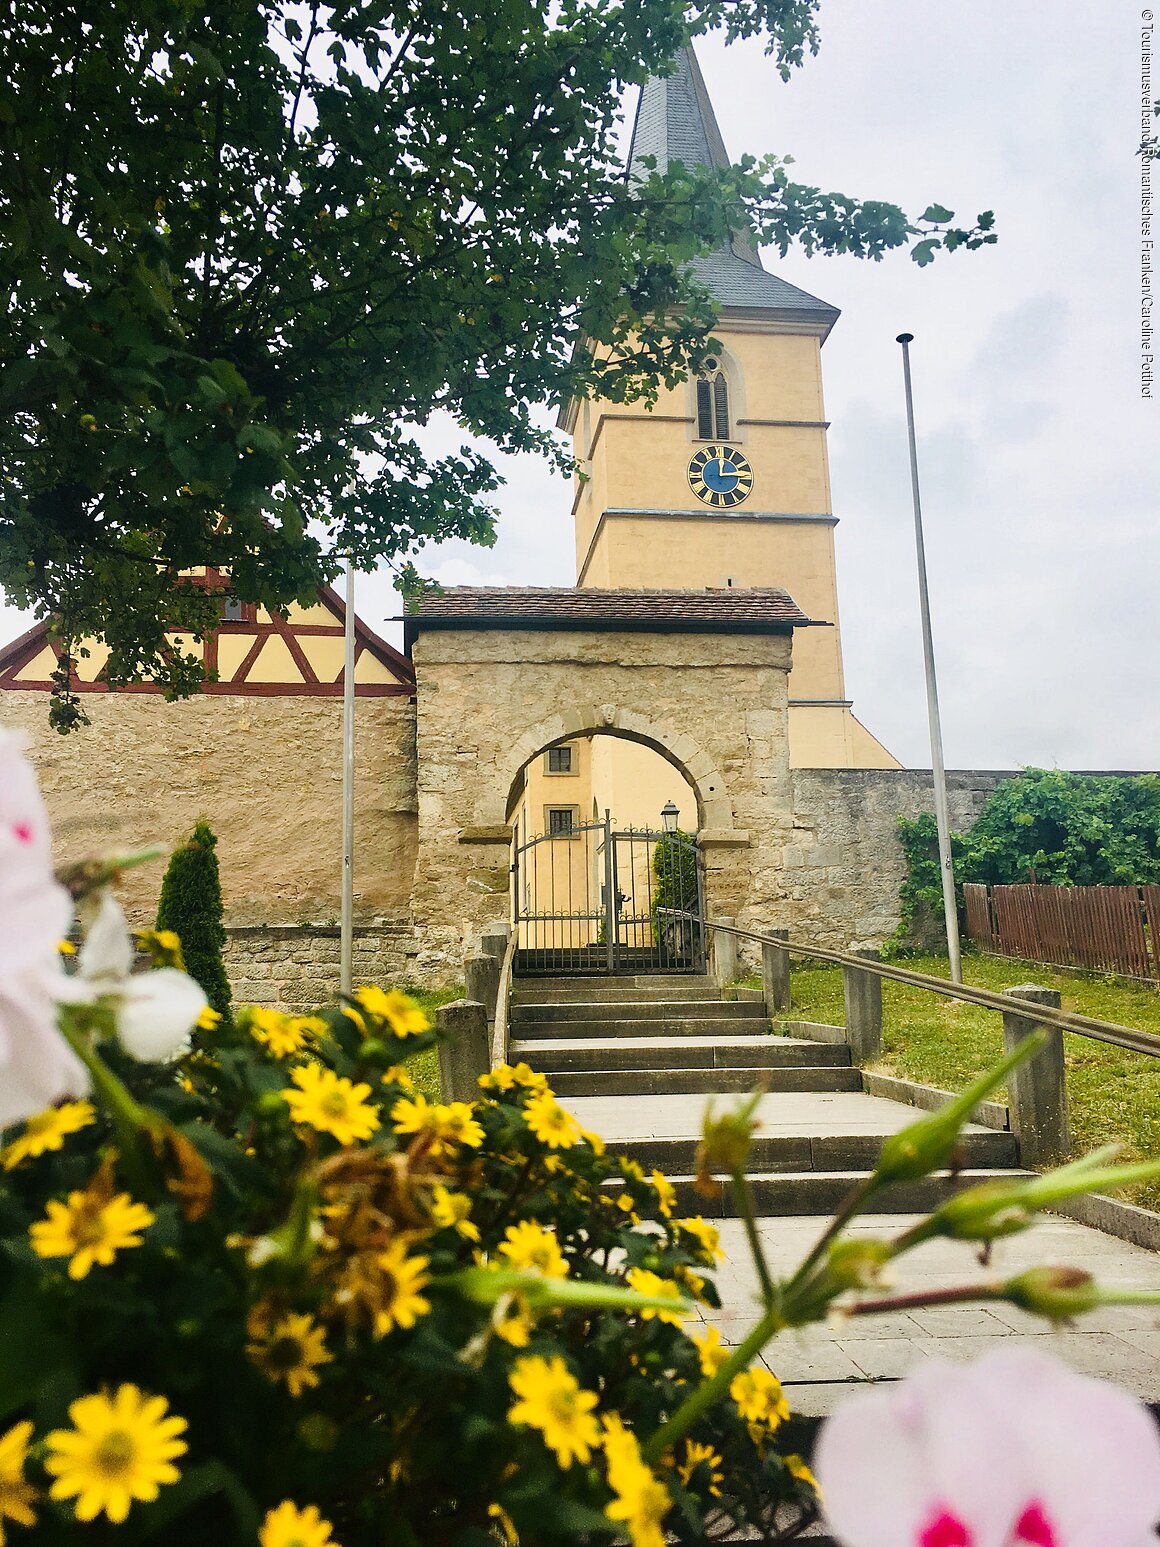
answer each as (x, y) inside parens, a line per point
(588, 898)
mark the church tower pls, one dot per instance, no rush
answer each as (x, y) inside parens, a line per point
(725, 481)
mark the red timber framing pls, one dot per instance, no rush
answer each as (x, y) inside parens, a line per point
(244, 676)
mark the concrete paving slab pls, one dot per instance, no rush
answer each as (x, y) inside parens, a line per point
(821, 1364)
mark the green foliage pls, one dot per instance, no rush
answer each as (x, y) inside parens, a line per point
(191, 906)
(251, 247)
(268, 1236)
(1067, 829)
(674, 868)
(1046, 826)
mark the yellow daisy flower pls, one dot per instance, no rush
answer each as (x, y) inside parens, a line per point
(47, 1131)
(163, 947)
(120, 1448)
(697, 1455)
(289, 1526)
(90, 1228)
(712, 1353)
(707, 1237)
(666, 1194)
(16, 1495)
(646, 1283)
(397, 1075)
(452, 1210)
(402, 1015)
(797, 1468)
(513, 1321)
(290, 1350)
(521, 1076)
(399, 1302)
(528, 1245)
(208, 1020)
(283, 1036)
(453, 1123)
(552, 1401)
(327, 1102)
(550, 1123)
(641, 1501)
(456, 1122)
(759, 1400)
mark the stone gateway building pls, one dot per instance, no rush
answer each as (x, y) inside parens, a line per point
(695, 669)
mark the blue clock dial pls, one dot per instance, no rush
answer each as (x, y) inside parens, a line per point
(720, 476)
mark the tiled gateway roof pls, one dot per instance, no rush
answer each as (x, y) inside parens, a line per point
(760, 610)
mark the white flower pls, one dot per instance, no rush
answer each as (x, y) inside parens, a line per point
(155, 1011)
(37, 1066)
(1015, 1450)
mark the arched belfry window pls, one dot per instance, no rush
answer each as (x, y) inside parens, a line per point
(712, 403)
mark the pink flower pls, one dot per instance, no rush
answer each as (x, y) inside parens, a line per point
(1015, 1450)
(37, 1066)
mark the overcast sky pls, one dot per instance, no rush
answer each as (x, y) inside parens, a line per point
(1038, 456)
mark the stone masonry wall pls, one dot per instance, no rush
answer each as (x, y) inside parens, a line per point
(267, 775)
(844, 865)
(296, 968)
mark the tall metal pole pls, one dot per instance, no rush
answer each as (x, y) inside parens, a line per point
(347, 942)
(941, 815)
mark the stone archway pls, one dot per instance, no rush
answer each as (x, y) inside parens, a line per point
(692, 762)
(698, 677)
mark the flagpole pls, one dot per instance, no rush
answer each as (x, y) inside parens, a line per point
(346, 952)
(941, 815)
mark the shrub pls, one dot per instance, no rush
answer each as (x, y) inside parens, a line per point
(191, 906)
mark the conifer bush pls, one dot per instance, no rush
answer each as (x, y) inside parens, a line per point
(191, 907)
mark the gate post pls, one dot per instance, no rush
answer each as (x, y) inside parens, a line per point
(863, 995)
(724, 954)
(1038, 1086)
(775, 972)
(609, 895)
(464, 1049)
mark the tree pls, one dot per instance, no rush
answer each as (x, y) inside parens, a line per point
(191, 906)
(253, 245)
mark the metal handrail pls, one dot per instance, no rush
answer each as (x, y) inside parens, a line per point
(1084, 1025)
(499, 1033)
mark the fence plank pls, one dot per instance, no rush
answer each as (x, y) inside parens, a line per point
(1099, 927)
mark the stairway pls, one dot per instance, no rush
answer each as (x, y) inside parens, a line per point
(635, 1058)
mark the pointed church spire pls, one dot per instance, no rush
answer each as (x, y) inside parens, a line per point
(675, 122)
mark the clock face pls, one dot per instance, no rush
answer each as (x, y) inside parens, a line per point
(720, 476)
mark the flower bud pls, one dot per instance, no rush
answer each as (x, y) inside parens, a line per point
(857, 1264)
(1057, 1293)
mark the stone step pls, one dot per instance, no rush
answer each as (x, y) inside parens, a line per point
(560, 1055)
(714, 1027)
(684, 1082)
(639, 1010)
(784, 1194)
(683, 985)
(979, 1149)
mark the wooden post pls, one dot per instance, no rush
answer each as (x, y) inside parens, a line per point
(863, 991)
(1038, 1086)
(775, 972)
(724, 954)
(464, 1049)
(481, 981)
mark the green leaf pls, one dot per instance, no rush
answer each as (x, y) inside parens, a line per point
(937, 214)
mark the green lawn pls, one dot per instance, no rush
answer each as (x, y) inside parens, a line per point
(1112, 1094)
(424, 1068)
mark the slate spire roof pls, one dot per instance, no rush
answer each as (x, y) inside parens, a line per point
(675, 122)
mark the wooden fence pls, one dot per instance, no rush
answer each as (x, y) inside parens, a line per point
(1108, 928)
